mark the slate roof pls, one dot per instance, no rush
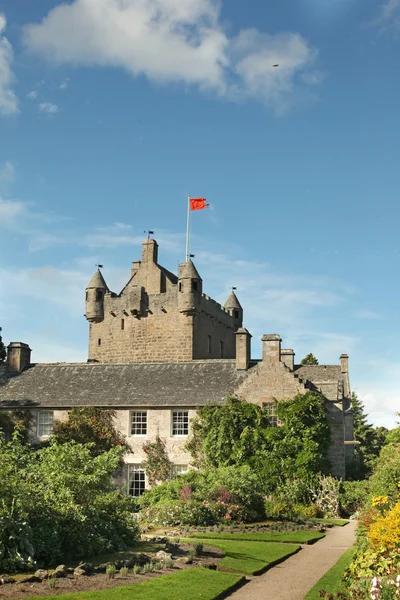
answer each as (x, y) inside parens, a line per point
(189, 271)
(97, 281)
(65, 385)
(328, 378)
(232, 301)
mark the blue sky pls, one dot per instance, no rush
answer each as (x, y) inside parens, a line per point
(112, 111)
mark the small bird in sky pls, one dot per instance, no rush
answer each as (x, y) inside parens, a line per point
(275, 65)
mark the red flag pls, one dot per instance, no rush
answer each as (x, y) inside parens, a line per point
(198, 203)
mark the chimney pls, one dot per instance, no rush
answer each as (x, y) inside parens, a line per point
(149, 251)
(344, 363)
(287, 357)
(18, 356)
(135, 267)
(243, 352)
(271, 348)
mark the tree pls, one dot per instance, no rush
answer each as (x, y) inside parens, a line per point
(310, 359)
(3, 351)
(240, 433)
(371, 441)
(90, 425)
(12, 421)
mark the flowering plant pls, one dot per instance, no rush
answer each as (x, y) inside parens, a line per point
(157, 465)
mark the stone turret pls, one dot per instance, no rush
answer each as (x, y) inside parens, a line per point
(235, 309)
(190, 288)
(95, 292)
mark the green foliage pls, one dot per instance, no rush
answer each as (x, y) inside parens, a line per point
(206, 497)
(371, 441)
(353, 496)
(157, 465)
(58, 503)
(240, 433)
(386, 475)
(90, 425)
(310, 359)
(3, 350)
(111, 571)
(15, 421)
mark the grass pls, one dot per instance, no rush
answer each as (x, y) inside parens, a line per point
(185, 585)
(294, 537)
(337, 522)
(251, 558)
(332, 582)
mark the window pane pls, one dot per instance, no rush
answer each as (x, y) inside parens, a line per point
(138, 422)
(270, 409)
(45, 422)
(179, 470)
(180, 422)
(136, 480)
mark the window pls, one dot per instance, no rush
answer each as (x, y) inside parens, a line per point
(270, 409)
(180, 286)
(221, 349)
(138, 422)
(99, 342)
(194, 286)
(122, 324)
(180, 422)
(136, 480)
(99, 295)
(87, 296)
(236, 314)
(209, 344)
(179, 470)
(45, 422)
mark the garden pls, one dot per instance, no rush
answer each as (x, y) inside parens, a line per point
(261, 493)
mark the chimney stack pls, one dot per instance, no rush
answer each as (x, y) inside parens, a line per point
(271, 348)
(18, 356)
(344, 363)
(243, 349)
(287, 357)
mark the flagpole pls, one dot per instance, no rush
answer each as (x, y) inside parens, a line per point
(187, 229)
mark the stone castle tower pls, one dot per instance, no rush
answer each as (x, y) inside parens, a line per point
(158, 316)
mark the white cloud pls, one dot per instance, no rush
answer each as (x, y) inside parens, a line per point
(7, 172)
(64, 84)
(176, 41)
(389, 15)
(8, 100)
(11, 211)
(367, 314)
(32, 95)
(49, 108)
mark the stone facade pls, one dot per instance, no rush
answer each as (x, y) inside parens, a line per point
(158, 316)
(159, 350)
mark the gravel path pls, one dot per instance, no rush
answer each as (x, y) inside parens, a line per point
(292, 579)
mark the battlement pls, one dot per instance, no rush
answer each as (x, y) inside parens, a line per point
(159, 316)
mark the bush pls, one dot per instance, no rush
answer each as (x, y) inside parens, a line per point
(58, 503)
(205, 498)
(386, 474)
(353, 495)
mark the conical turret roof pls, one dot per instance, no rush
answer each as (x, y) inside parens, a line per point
(189, 271)
(97, 281)
(232, 301)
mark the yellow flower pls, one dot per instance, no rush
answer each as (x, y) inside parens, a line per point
(385, 531)
(380, 500)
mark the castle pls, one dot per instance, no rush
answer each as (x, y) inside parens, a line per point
(160, 349)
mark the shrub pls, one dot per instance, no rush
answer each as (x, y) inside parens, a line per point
(110, 571)
(136, 569)
(384, 533)
(353, 495)
(198, 549)
(58, 503)
(386, 475)
(124, 571)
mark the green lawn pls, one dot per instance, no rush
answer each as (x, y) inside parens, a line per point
(331, 582)
(185, 585)
(294, 537)
(337, 522)
(251, 558)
